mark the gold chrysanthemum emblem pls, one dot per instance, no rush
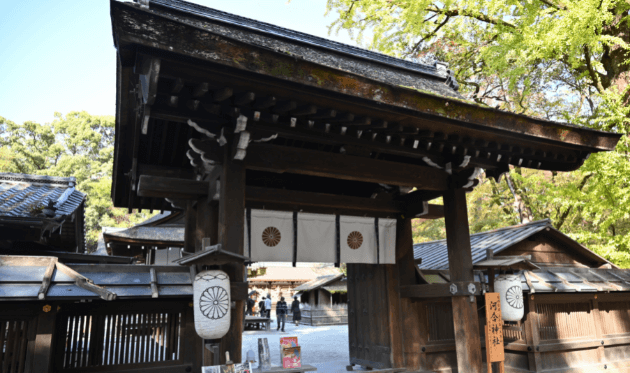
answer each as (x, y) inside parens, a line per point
(271, 236)
(355, 240)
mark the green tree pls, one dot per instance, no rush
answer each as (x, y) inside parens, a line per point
(79, 145)
(562, 60)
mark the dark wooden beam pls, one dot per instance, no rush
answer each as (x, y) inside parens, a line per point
(295, 200)
(465, 317)
(265, 157)
(172, 188)
(438, 290)
(165, 171)
(415, 202)
(434, 212)
(280, 199)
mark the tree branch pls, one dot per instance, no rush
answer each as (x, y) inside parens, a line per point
(565, 214)
(551, 4)
(467, 13)
(431, 34)
(591, 71)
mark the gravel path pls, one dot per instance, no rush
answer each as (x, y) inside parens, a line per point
(325, 347)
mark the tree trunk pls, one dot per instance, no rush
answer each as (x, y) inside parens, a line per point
(524, 212)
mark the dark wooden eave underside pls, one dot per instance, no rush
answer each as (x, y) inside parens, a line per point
(210, 80)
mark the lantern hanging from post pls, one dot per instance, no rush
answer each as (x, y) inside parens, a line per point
(511, 293)
(212, 304)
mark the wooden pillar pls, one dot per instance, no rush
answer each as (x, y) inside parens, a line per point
(465, 319)
(532, 335)
(192, 345)
(231, 237)
(190, 226)
(207, 222)
(410, 311)
(599, 333)
(207, 226)
(44, 342)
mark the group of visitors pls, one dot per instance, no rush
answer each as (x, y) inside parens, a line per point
(264, 307)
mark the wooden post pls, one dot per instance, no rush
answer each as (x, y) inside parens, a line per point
(597, 322)
(489, 256)
(44, 342)
(532, 335)
(192, 344)
(465, 318)
(190, 227)
(231, 237)
(410, 311)
(207, 223)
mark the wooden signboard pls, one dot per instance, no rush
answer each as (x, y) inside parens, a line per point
(494, 332)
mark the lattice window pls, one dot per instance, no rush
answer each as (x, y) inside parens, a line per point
(615, 317)
(13, 343)
(565, 321)
(118, 339)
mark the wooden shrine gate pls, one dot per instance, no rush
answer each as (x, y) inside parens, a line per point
(217, 113)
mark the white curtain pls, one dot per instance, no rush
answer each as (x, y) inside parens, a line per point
(357, 238)
(387, 241)
(316, 238)
(272, 236)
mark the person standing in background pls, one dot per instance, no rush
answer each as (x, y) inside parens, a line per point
(268, 305)
(295, 308)
(281, 313)
(250, 306)
(261, 307)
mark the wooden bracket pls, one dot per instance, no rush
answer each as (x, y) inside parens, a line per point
(149, 70)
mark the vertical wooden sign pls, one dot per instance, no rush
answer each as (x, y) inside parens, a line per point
(494, 332)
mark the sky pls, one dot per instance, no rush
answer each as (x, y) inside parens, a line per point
(59, 56)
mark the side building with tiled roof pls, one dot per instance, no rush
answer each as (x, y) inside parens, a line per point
(575, 302)
(40, 214)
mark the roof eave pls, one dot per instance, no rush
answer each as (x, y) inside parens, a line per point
(239, 55)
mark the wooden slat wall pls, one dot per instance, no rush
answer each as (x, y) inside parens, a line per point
(13, 343)
(513, 332)
(119, 339)
(615, 317)
(565, 321)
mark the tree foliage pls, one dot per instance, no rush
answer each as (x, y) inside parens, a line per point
(79, 145)
(561, 60)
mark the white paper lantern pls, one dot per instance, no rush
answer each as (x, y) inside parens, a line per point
(212, 304)
(511, 294)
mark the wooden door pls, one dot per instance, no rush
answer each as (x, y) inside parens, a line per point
(368, 316)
